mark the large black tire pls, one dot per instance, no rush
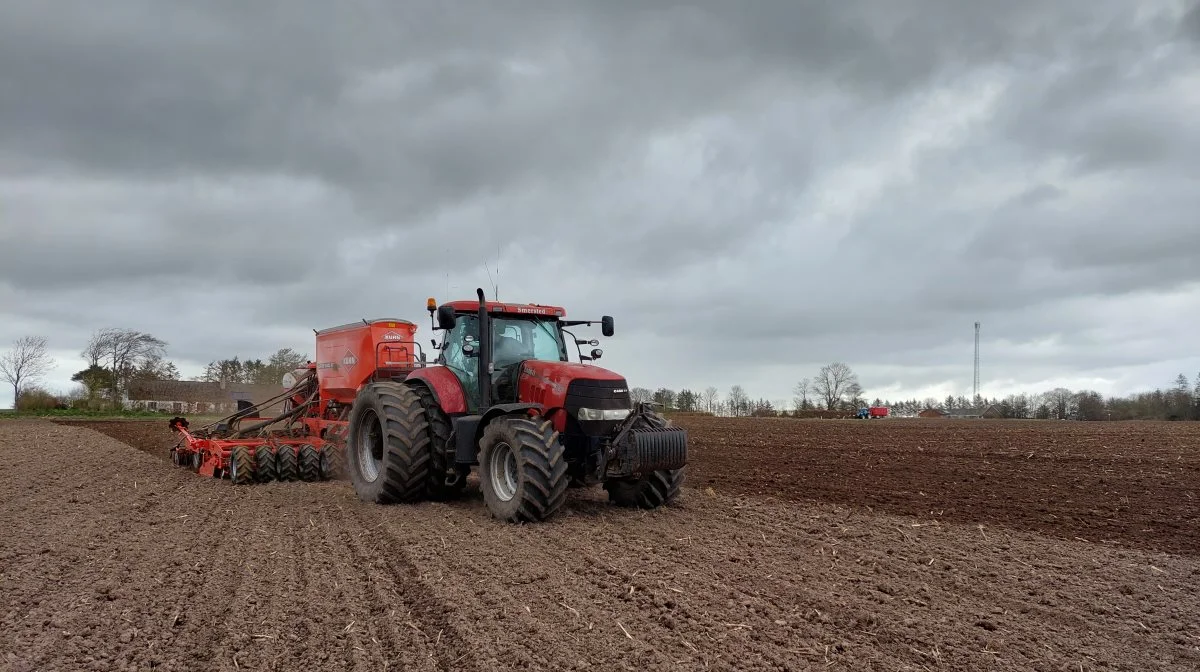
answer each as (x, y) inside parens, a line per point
(522, 469)
(287, 463)
(652, 490)
(387, 451)
(310, 463)
(241, 465)
(268, 467)
(441, 451)
(648, 492)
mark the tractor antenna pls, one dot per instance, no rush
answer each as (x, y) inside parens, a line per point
(495, 287)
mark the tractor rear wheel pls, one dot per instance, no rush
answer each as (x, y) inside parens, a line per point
(387, 451)
(241, 465)
(441, 451)
(287, 463)
(310, 463)
(522, 469)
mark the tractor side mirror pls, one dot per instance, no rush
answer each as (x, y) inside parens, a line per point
(596, 352)
(445, 317)
(606, 325)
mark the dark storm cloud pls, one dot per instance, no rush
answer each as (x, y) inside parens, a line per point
(752, 191)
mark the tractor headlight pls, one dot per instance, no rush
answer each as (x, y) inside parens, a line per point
(586, 414)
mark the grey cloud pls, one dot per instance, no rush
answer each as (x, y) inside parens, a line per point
(1189, 24)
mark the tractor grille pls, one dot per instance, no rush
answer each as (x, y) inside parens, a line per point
(602, 394)
(597, 394)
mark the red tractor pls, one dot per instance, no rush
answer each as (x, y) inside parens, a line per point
(504, 396)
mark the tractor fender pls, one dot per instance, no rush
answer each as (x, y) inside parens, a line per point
(500, 410)
(444, 386)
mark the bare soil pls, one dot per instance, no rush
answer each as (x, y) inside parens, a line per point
(786, 553)
(1129, 483)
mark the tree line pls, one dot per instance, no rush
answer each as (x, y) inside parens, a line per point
(835, 387)
(117, 358)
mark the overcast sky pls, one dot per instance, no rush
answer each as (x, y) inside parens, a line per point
(751, 189)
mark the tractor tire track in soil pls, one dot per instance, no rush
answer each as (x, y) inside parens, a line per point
(182, 572)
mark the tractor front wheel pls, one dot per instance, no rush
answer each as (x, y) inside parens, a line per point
(387, 450)
(648, 492)
(651, 490)
(522, 469)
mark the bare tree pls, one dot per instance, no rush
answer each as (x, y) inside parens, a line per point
(710, 400)
(854, 394)
(739, 401)
(24, 363)
(803, 388)
(124, 350)
(833, 382)
(1061, 402)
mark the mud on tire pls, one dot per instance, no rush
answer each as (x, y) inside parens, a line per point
(522, 469)
(441, 451)
(387, 451)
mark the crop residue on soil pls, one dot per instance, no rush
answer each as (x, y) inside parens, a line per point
(114, 559)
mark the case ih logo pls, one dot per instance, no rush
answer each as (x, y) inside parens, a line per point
(392, 336)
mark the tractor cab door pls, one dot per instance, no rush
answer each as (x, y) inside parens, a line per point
(464, 366)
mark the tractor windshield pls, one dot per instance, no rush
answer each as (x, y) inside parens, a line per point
(519, 338)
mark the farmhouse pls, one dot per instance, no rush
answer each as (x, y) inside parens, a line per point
(189, 396)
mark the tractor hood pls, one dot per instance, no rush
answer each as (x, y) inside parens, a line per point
(560, 374)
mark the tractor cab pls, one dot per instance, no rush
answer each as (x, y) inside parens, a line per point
(516, 333)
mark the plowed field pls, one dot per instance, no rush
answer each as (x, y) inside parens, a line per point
(889, 544)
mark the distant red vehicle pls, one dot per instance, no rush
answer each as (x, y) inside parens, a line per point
(866, 413)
